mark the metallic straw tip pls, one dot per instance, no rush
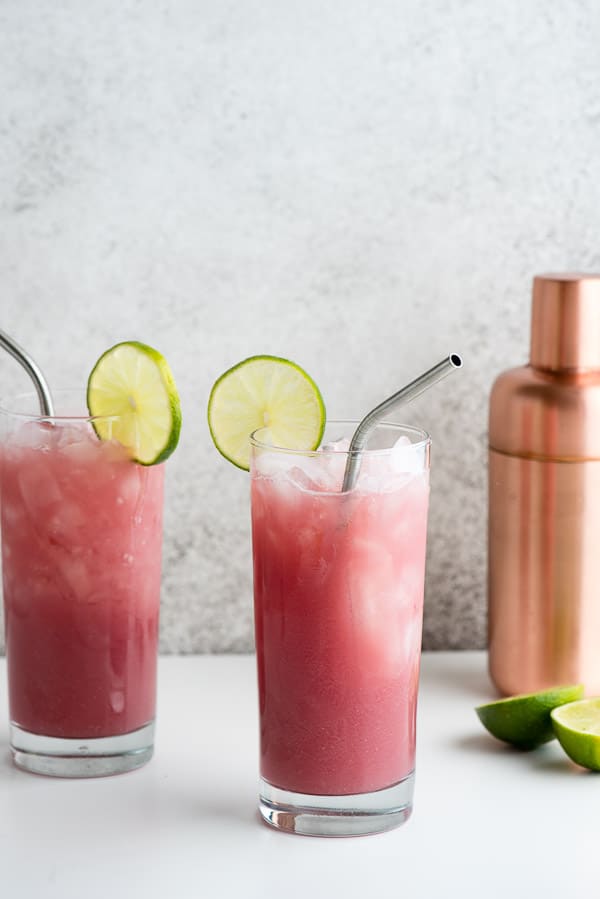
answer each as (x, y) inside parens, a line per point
(405, 395)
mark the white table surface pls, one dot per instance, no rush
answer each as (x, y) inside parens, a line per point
(488, 821)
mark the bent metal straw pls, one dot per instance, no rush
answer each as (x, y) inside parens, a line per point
(32, 369)
(404, 395)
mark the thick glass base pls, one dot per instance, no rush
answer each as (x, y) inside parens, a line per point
(337, 816)
(99, 757)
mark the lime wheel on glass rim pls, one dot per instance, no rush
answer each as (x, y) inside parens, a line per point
(265, 392)
(132, 398)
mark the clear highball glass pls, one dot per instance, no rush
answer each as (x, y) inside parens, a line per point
(81, 562)
(338, 600)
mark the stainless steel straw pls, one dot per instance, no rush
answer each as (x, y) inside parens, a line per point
(32, 369)
(402, 396)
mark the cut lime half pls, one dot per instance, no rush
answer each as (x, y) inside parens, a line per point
(577, 726)
(524, 720)
(265, 392)
(132, 398)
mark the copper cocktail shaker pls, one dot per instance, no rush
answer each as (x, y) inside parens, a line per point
(544, 497)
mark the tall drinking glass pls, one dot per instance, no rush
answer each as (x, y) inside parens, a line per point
(338, 598)
(81, 559)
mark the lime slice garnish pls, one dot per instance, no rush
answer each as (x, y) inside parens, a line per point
(577, 726)
(524, 720)
(265, 392)
(132, 382)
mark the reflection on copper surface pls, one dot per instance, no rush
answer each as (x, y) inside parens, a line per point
(544, 498)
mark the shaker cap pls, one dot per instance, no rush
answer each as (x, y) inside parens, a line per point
(565, 322)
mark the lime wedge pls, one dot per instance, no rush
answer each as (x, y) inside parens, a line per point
(577, 726)
(133, 383)
(524, 720)
(265, 392)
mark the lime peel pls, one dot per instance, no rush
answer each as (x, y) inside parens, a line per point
(525, 720)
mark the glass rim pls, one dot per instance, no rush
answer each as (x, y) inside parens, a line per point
(424, 442)
(41, 416)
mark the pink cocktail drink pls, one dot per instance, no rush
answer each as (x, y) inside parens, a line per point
(81, 553)
(338, 582)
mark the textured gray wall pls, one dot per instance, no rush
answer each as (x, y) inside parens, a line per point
(358, 185)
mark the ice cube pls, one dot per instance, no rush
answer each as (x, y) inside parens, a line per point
(369, 483)
(341, 445)
(129, 487)
(334, 463)
(67, 521)
(68, 434)
(300, 477)
(39, 489)
(405, 456)
(34, 435)
(117, 701)
(113, 451)
(302, 471)
(78, 444)
(273, 464)
(76, 575)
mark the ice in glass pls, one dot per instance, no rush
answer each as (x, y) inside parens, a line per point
(81, 558)
(338, 589)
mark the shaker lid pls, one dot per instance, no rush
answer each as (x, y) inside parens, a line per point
(565, 322)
